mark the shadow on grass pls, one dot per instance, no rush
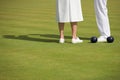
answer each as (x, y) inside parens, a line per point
(57, 36)
(28, 38)
(52, 38)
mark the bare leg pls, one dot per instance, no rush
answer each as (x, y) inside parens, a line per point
(75, 39)
(61, 30)
(74, 29)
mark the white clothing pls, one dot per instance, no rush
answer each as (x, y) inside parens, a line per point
(69, 11)
(102, 17)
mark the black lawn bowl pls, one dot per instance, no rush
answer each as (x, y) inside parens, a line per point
(93, 39)
(110, 39)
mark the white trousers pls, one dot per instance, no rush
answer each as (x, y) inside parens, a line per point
(69, 10)
(102, 17)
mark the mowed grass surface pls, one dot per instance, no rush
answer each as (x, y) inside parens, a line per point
(29, 48)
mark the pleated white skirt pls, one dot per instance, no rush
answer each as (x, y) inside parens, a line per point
(69, 11)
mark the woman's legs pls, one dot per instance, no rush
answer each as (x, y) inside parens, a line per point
(73, 27)
(75, 39)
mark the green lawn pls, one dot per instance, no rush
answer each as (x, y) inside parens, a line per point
(29, 48)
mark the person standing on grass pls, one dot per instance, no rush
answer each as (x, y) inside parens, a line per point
(102, 19)
(69, 11)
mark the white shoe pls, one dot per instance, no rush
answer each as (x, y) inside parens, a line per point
(61, 40)
(102, 39)
(77, 40)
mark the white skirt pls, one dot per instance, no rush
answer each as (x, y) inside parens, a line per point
(69, 11)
